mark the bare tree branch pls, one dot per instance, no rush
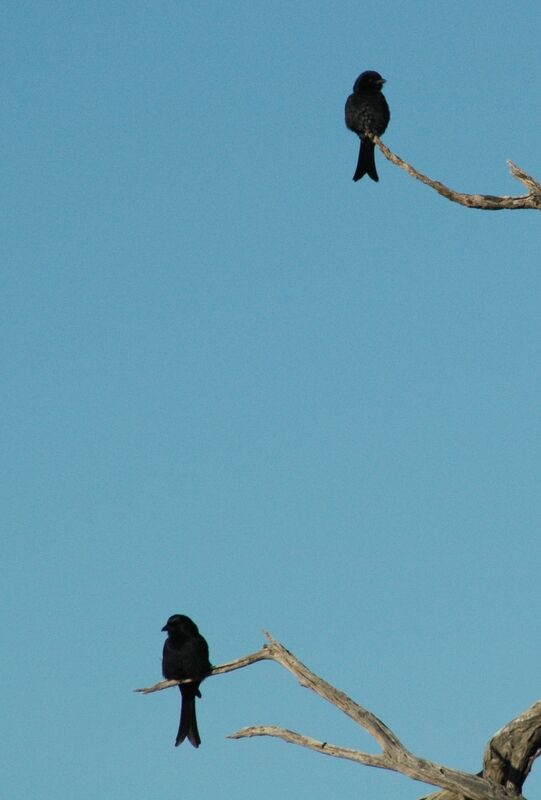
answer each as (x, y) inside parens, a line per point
(326, 748)
(486, 202)
(159, 686)
(508, 756)
(374, 726)
(471, 786)
(245, 661)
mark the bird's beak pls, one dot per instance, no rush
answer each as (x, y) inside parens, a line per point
(382, 81)
(164, 627)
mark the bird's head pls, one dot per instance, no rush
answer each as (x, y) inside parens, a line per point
(368, 80)
(179, 624)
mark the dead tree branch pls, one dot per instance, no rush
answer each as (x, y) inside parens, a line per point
(508, 756)
(485, 202)
(245, 661)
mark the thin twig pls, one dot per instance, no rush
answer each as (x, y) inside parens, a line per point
(239, 663)
(326, 748)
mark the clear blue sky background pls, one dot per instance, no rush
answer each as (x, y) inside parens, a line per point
(239, 386)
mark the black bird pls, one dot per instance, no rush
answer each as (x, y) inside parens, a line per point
(186, 655)
(367, 111)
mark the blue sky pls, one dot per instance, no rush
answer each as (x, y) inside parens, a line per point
(239, 386)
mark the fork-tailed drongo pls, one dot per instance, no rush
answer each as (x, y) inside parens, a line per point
(367, 111)
(186, 655)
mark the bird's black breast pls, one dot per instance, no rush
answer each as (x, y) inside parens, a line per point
(367, 113)
(186, 659)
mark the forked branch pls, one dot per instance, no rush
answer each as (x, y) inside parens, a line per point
(486, 202)
(508, 756)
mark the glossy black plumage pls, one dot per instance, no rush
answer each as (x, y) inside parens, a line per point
(186, 655)
(367, 111)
